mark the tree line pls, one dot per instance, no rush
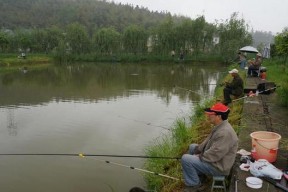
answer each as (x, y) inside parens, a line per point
(191, 37)
(101, 28)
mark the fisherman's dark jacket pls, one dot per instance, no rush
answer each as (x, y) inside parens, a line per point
(236, 85)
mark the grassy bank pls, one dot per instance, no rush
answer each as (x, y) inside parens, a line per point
(176, 143)
(136, 58)
(11, 62)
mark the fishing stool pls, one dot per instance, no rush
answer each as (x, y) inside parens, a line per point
(218, 183)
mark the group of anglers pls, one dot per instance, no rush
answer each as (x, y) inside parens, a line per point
(216, 155)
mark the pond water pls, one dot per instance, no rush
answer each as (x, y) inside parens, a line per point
(115, 109)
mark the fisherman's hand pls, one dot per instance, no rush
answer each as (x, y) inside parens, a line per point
(196, 150)
(224, 84)
(200, 157)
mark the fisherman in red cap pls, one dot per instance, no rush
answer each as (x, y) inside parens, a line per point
(215, 156)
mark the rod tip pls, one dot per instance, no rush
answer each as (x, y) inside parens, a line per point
(81, 155)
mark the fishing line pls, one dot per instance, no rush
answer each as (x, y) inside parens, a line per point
(146, 123)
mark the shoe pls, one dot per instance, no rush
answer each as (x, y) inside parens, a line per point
(202, 188)
(203, 179)
(196, 188)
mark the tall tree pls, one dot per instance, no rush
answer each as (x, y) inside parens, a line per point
(281, 43)
(106, 40)
(77, 38)
(233, 34)
(135, 39)
(164, 37)
(54, 36)
(3, 41)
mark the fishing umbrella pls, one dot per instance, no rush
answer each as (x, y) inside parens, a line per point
(249, 49)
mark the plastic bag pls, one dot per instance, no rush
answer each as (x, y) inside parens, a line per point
(262, 168)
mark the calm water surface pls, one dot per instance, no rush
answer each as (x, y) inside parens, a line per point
(101, 109)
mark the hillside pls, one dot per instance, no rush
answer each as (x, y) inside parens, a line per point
(90, 13)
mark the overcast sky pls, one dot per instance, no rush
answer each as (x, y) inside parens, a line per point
(261, 15)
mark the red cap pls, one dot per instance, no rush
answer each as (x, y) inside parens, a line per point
(217, 108)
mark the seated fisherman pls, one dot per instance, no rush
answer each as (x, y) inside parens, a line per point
(254, 65)
(235, 88)
(215, 155)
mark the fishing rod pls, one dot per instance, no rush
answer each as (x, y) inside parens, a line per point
(135, 168)
(106, 161)
(87, 155)
(255, 94)
(189, 90)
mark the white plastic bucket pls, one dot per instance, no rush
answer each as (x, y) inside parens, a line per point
(265, 145)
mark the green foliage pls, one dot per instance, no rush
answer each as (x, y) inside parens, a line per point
(278, 73)
(107, 41)
(119, 36)
(163, 38)
(61, 54)
(233, 35)
(3, 41)
(135, 39)
(90, 13)
(281, 43)
(169, 145)
(77, 38)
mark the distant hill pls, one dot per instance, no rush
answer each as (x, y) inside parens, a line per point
(90, 13)
(261, 38)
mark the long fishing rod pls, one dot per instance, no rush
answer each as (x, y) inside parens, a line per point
(106, 161)
(87, 155)
(135, 168)
(189, 90)
(255, 94)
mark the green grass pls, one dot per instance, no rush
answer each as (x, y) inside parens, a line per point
(12, 60)
(277, 71)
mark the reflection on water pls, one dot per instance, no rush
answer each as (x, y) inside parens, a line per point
(11, 124)
(100, 109)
